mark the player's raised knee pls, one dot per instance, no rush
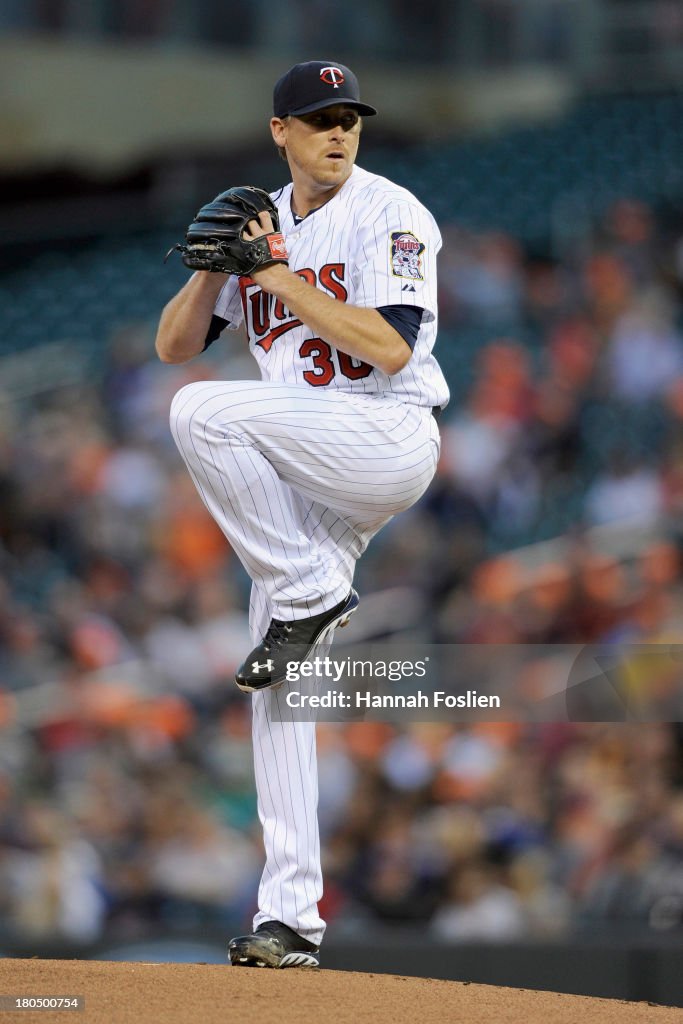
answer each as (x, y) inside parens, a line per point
(207, 407)
(187, 404)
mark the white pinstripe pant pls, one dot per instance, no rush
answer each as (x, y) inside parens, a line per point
(299, 480)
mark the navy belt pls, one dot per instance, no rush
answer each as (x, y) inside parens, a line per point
(436, 411)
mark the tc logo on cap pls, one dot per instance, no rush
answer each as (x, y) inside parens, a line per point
(333, 76)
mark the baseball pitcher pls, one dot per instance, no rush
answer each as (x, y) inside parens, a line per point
(334, 278)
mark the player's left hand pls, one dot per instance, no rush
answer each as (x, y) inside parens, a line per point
(259, 227)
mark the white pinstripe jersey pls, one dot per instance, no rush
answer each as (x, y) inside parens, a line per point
(373, 244)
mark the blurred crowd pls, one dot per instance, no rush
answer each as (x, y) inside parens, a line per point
(126, 791)
(508, 30)
(452, 33)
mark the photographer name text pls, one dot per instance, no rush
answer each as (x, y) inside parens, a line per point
(366, 699)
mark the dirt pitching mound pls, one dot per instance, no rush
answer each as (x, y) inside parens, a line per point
(138, 993)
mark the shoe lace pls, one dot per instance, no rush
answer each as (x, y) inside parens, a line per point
(277, 634)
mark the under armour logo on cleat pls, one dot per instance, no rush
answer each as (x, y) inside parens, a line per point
(256, 668)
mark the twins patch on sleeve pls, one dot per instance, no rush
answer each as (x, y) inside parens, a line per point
(406, 255)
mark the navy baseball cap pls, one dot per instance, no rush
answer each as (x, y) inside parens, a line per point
(314, 85)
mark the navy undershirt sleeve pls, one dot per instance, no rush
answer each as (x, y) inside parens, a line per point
(215, 327)
(404, 319)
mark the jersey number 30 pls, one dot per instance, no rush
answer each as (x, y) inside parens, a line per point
(321, 353)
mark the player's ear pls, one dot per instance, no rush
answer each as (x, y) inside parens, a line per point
(279, 133)
(278, 128)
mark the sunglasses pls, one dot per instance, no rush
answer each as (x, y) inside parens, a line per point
(323, 120)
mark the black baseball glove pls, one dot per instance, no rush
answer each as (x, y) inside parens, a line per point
(215, 239)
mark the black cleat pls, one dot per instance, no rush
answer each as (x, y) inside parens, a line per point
(290, 642)
(273, 945)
